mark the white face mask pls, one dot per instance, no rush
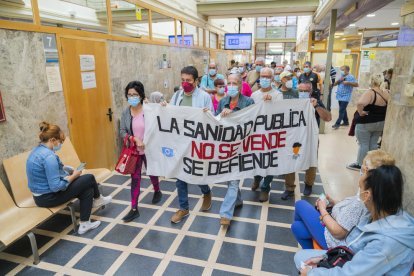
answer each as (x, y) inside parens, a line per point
(289, 84)
(358, 195)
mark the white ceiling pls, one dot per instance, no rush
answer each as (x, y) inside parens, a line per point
(383, 17)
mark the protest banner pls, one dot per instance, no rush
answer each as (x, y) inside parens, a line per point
(262, 139)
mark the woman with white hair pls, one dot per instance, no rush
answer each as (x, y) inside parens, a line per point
(372, 108)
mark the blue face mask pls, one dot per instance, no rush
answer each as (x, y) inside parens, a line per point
(264, 83)
(212, 72)
(134, 101)
(232, 91)
(277, 78)
(258, 68)
(306, 70)
(304, 95)
(342, 72)
(57, 148)
(221, 90)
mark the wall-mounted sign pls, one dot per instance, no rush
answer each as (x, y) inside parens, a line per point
(87, 62)
(88, 80)
(53, 78)
(2, 113)
(50, 49)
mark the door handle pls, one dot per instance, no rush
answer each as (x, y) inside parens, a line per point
(109, 114)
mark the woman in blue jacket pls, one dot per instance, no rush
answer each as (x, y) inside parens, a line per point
(53, 184)
(383, 241)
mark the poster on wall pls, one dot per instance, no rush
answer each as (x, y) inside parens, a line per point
(54, 81)
(88, 80)
(2, 113)
(87, 62)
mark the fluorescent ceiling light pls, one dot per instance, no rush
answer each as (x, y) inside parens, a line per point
(395, 23)
(352, 25)
(371, 15)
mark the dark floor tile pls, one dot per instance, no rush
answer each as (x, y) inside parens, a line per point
(280, 235)
(191, 201)
(224, 273)
(219, 192)
(250, 195)
(31, 270)
(278, 185)
(6, 266)
(145, 214)
(316, 189)
(145, 183)
(57, 223)
(274, 198)
(148, 199)
(106, 190)
(22, 246)
(205, 225)
(117, 179)
(302, 177)
(121, 234)
(248, 211)
(157, 241)
(278, 261)
(138, 265)
(61, 252)
(167, 186)
(280, 215)
(175, 269)
(248, 182)
(215, 207)
(98, 260)
(197, 248)
(194, 189)
(93, 233)
(112, 210)
(311, 200)
(236, 254)
(124, 194)
(165, 221)
(242, 230)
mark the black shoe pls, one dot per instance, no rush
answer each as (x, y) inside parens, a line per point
(354, 166)
(308, 190)
(287, 194)
(345, 124)
(335, 126)
(239, 205)
(157, 197)
(133, 214)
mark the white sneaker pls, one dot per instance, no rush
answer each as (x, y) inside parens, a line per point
(102, 200)
(88, 225)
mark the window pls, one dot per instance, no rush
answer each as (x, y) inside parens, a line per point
(277, 52)
(21, 11)
(201, 37)
(378, 39)
(276, 27)
(190, 34)
(207, 39)
(129, 20)
(162, 28)
(80, 15)
(178, 31)
(213, 40)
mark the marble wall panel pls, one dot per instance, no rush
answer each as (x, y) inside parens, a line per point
(25, 93)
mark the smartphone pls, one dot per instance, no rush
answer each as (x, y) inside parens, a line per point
(322, 197)
(81, 166)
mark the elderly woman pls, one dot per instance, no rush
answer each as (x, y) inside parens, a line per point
(372, 108)
(156, 97)
(330, 229)
(233, 102)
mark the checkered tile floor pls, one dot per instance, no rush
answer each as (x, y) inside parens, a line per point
(258, 242)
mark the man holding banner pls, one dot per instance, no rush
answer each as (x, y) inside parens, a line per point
(193, 97)
(234, 101)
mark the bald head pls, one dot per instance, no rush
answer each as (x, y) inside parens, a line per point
(305, 87)
(267, 71)
(212, 65)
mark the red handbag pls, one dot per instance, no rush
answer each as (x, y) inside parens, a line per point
(128, 159)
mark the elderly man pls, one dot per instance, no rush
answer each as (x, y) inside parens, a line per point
(276, 78)
(233, 102)
(287, 86)
(305, 91)
(310, 76)
(254, 75)
(265, 93)
(207, 82)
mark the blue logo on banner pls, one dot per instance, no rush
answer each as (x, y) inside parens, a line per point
(168, 152)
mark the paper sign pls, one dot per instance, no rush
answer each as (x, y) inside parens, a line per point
(53, 78)
(138, 13)
(88, 80)
(87, 62)
(365, 65)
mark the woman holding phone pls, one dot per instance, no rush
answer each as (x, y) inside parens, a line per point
(52, 184)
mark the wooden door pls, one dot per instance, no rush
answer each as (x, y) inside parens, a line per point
(91, 128)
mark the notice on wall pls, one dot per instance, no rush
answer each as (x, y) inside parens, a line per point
(53, 78)
(88, 80)
(365, 66)
(87, 62)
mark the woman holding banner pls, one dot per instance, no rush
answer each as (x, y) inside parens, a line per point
(234, 101)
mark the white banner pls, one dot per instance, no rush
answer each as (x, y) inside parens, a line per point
(262, 139)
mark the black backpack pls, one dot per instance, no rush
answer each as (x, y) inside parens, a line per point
(336, 256)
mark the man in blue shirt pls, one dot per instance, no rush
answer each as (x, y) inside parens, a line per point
(207, 82)
(345, 83)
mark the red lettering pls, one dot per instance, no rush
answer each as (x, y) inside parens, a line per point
(198, 151)
(205, 151)
(282, 139)
(257, 142)
(228, 150)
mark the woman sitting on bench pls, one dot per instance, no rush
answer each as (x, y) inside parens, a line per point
(53, 184)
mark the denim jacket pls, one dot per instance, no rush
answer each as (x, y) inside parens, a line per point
(242, 103)
(45, 172)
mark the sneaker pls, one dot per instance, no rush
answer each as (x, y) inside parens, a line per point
(225, 221)
(354, 166)
(179, 215)
(335, 126)
(345, 124)
(287, 194)
(264, 196)
(308, 190)
(157, 197)
(132, 214)
(206, 202)
(100, 201)
(255, 185)
(88, 225)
